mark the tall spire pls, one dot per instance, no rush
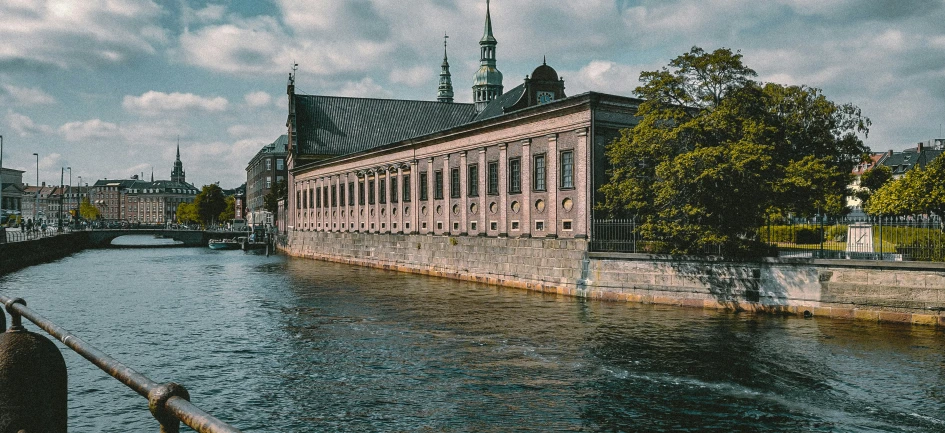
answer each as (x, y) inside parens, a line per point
(445, 89)
(177, 175)
(487, 83)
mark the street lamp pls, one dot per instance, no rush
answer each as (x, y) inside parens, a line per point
(36, 203)
(78, 203)
(3, 234)
(69, 202)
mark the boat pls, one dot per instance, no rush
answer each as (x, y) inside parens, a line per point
(224, 244)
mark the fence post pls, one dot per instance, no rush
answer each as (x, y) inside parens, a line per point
(822, 217)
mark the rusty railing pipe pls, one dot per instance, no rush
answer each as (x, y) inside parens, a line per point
(165, 400)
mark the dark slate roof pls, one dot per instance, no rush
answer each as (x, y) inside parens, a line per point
(330, 125)
(497, 106)
(901, 162)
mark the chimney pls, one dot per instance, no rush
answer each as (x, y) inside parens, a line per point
(919, 148)
(44, 184)
(890, 153)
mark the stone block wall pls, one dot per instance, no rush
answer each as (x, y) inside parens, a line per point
(18, 255)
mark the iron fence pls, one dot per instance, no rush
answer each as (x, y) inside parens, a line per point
(913, 238)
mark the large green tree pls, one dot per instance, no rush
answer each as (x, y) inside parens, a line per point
(187, 213)
(920, 191)
(715, 152)
(87, 210)
(209, 203)
(871, 181)
(230, 211)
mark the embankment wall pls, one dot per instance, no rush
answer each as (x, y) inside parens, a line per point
(18, 255)
(881, 291)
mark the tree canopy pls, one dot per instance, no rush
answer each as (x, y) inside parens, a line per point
(209, 203)
(715, 152)
(87, 210)
(920, 191)
(230, 211)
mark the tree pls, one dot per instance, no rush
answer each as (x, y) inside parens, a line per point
(209, 204)
(279, 191)
(920, 191)
(187, 213)
(871, 181)
(88, 211)
(230, 211)
(715, 152)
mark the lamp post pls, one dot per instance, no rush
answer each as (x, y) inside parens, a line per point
(71, 193)
(3, 234)
(36, 202)
(78, 203)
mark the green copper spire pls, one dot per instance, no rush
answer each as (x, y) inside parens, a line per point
(445, 89)
(487, 83)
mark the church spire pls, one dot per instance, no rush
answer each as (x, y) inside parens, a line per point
(445, 89)
(487, 83)
(177, 175)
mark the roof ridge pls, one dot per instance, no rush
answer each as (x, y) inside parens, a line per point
(388, 99)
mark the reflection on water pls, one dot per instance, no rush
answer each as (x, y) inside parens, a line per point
(288, 345)
(143, 240)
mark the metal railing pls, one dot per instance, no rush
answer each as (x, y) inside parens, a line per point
(169, 403)
(913, 238)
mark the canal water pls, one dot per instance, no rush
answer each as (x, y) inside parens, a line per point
(274, 344)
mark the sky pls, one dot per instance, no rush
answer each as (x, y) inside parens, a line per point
(108, 87)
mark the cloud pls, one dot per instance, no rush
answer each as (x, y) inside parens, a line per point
(94, 129)
(211, 13)
(28, 96)
(154, 103)
(67, 34)
(414, 77)
(257, 99)
(245, 46)
(606, 76)
(24, 126)
(366, 88)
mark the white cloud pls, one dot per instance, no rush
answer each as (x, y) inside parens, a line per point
(94, 129)
(366, 88)
(25, 126)
(211, 13)
(604, 76)
(257, 99)
(77, 33)
(414, 77)
(154, 103)
(28, 96)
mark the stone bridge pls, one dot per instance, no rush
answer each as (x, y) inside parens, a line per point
(190, 238)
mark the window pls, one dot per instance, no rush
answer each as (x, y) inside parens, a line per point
(493, 178)
(351, 194)
(280, 164)
(539, 226)
(566, 225)
(361, 193)
(325, 195)
(438, 184)
(567, 169)
(393, 190)
(298, 199)
(472, 180)
(423, 186)
(318, 201)
(493, 225)
(268, 181)
(407, 189)
(382, 194)
(515, 175)
(454, 183)
(341, 194)
(538, 173)
(370, 187)
(334, 195)
(268, 164)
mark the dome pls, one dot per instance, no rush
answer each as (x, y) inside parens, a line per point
(545, 73)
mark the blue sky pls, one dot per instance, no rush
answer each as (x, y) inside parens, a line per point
(106, 87)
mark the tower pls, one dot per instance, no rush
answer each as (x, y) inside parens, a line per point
(445, 89)
(487, 83)
(178, 174)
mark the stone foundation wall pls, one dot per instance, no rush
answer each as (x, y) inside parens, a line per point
(18, 255)
(883, 291)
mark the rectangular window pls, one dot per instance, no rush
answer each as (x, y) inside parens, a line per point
(350, 193)
(472, 180)
(538, 173)
(298, 199)
(370, 187)
(454, 183)
(361, 192)
(438, 184)
(393, 190)
(515, 175)
(280, 164)
(423, 186)
(493, 178)
(318, 198)
(325, 195)
(268, 164)
(268, 181)
(334, 195)
(567, 169)
(382, 194)
(341, 194)
(407, 188)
